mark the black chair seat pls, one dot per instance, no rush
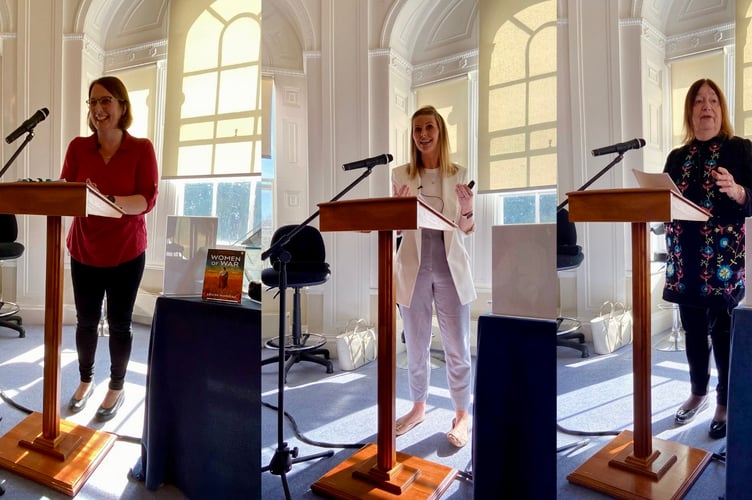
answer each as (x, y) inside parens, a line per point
(317, 275)
(566, 261)
(307, 266)
(11, 250)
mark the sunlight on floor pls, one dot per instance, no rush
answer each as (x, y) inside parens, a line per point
(591, 360)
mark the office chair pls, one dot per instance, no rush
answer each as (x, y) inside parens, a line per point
(307, 267)
(10, 249)
(568, 256)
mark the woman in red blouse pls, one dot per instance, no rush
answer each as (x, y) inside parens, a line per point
(108, 254)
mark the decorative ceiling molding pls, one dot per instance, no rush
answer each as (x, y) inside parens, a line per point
(91, 48)
(710, 38)
(147, 53)
(445, 68)
(400, 64)
(677, 46)
(113, 60)
(273, 71)
(650, 33)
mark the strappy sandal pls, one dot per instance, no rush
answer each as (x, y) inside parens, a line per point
(401, 428)
(457, 437)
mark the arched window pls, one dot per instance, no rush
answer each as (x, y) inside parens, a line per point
(213, 106)
(517, 106)
(213, 113)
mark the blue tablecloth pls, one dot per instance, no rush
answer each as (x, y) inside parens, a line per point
(514, 411)
(203, 413)
(739, 423)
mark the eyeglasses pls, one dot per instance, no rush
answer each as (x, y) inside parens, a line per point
(104, 101)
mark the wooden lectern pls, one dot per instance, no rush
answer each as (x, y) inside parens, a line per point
(63, 455)
(379, 471)
(635, 464)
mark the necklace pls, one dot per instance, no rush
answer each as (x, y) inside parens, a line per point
(431, 175)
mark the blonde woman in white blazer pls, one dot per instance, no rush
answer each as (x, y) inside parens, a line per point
(432, 268)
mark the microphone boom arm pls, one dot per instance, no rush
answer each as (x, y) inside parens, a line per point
(28, 139)
(597, 176)
(277, 247)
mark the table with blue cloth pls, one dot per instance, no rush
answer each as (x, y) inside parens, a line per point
(203, 390)
(739, 425)
(514, 410)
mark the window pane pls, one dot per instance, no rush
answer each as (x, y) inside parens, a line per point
(202, 43)
(238, 89)
(233, 207)
(519, 209)
(548, 207)
(240, 43)
(233, 157)
(194, 160)
(198, 199)
(199, 92)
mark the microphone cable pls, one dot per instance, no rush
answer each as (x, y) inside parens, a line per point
(463, 475)
(585, 433)
(307, 440)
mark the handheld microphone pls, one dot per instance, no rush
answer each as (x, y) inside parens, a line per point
(28, 125)
(368, 162)
(619, 148)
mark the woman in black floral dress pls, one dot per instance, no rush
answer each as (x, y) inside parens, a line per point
(705, 265)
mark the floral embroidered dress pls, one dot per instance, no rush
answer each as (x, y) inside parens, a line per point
(705, 263)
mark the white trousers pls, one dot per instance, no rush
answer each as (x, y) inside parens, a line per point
(434, 285)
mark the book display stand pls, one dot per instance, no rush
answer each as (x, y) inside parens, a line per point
(44, 448)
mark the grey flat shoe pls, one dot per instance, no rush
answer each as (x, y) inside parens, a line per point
(686, 416)
(105, 414)
(76, 405)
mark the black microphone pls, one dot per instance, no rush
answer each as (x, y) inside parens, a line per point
(28, 125)
(368, 162)
(620, 148)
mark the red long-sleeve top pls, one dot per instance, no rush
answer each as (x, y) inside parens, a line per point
(105, 241)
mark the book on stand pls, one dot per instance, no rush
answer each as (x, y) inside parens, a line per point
(223, 275)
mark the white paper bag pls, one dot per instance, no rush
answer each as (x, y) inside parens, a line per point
(612, 329)
(357, 345)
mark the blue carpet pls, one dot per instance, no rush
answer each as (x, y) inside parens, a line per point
(595, 397)
(339, 410)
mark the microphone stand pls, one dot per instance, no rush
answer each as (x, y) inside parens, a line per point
(597, 176)
(28, 139)
(284, 457)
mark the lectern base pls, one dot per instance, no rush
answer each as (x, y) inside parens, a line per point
(601, 472)
(427, 480)
(66, 475)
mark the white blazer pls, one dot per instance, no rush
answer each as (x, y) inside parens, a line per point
(408, 256)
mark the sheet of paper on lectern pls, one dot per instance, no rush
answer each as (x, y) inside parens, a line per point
(430, 218)
(653, 180)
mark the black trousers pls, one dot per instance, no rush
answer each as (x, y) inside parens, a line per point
(89, 286)
(698, 323)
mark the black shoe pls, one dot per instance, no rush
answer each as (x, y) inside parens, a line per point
(76, 405)
(683, 416)
(105, 414)
(717, 429)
